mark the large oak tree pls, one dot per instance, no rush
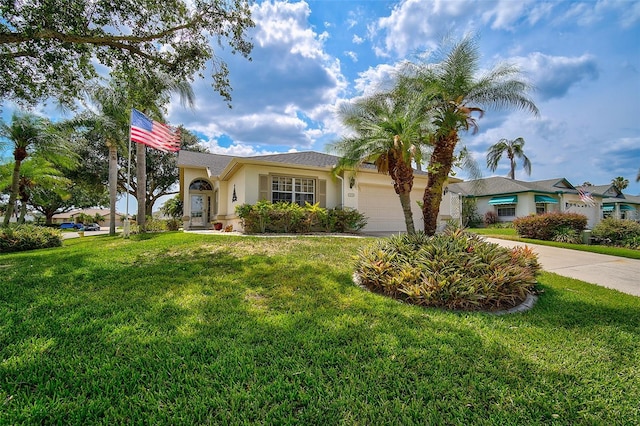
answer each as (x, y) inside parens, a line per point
(53, 48)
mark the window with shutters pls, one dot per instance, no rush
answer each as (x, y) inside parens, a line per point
(293, 190)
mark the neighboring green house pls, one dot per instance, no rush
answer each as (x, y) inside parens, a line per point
(212, 185)
(510, 198)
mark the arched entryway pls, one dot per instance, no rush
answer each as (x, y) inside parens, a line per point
(200, 200)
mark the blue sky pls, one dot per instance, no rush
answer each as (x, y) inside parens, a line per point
(310, 56)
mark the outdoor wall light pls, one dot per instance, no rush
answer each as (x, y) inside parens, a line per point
(352, 182)
(446, 190)
(234, 197)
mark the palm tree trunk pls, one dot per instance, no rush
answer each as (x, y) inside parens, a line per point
(403, 184)
(13, 196)
(439, 167)
(405, 201)
(113, 186)
(23, 212)
(512, 172)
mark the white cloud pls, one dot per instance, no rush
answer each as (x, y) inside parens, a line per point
(553, 76)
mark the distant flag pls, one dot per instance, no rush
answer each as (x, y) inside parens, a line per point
(154, 134)
(586, 197)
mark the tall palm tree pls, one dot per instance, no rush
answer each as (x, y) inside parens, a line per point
(451, 94)
(620, 183)
(514, 150)
(387, 133)
(29, 134)
(110, 118)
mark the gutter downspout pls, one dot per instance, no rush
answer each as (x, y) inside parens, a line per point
(341, 191)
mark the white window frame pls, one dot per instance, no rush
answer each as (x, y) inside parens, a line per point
(293, 189)
(504, 207)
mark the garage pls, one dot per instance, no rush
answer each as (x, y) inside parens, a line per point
(381, 205)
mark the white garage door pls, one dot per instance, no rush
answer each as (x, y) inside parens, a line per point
(381, 205)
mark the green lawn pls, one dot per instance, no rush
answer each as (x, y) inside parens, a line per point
(205, 329)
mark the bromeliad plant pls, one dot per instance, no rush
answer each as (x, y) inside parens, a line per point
(453, 270)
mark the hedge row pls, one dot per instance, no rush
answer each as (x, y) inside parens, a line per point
(28, 237)
(265, 216)
(618, 232)
(547, 226)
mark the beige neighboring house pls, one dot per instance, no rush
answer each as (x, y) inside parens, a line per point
(72, 216)
(510, 199)
(213, 185)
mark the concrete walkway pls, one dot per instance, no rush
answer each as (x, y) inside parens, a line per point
(618, 273)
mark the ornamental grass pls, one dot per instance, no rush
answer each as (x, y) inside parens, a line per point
(454, 270)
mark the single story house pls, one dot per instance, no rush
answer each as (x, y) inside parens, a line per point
(510, 198)
(212, 185)
(72, 216)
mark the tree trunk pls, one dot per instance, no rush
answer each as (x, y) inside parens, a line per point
(23, 212)
(403, 184)
(439, 167)
(141, 180)
(405, 201)
(11, 206)
(113, 186)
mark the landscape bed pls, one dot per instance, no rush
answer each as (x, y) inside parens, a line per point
(178, 328)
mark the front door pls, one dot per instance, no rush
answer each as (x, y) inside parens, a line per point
(197, 210)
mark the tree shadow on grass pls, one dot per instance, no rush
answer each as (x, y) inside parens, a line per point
(221, 335)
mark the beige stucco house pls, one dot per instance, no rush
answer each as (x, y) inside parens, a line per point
(212, 185)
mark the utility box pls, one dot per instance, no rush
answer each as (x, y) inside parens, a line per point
(586, 236)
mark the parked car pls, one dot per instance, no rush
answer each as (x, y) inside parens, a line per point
(92, 227)
(71, 225)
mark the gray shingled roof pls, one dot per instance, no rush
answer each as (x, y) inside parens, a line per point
(500, 185)
(216, 163)
(308, 158)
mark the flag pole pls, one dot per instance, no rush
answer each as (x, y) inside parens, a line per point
(126, 229)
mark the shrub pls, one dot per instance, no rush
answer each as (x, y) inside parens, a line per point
(490, 218)
(564, 234)
(613, 231)
(546, 226)
(291, 218)
(454, 270)
(28, 237)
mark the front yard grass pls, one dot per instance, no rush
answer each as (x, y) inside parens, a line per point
(510, 234)
(180, 328)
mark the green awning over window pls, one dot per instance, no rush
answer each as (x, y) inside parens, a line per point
(509, 199)
(545, 199)
(612, 207)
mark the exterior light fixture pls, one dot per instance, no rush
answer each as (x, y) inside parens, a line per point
(352, 182)
(234, 197)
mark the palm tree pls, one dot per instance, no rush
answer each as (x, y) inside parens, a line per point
(30, 134)
(387, 133)
(110, 119)
(620, 183)
(514, 150)
(451, 95)
(35, 172)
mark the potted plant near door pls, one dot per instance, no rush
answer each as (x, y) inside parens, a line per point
(217, 226)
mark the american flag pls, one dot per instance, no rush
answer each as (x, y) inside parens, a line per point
(586, 197)
(154, 134)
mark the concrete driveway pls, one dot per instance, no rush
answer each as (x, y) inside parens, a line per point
(608, 271)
